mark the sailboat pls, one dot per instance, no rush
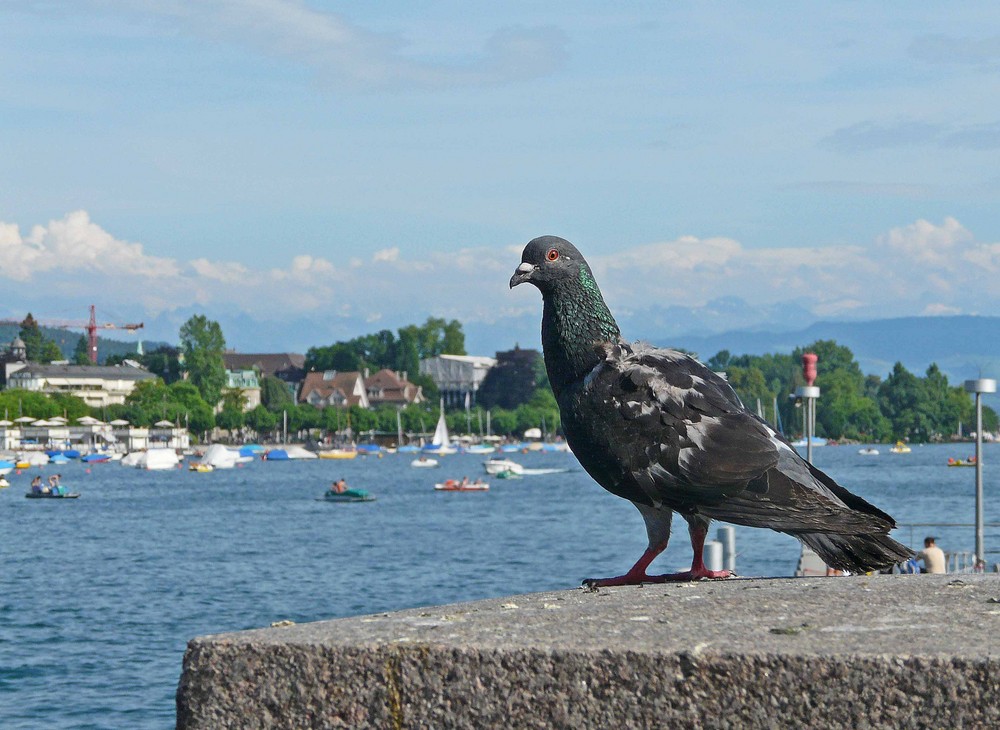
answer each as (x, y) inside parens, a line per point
(441, 443)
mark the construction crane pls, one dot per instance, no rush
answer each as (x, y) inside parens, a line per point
(91, 328)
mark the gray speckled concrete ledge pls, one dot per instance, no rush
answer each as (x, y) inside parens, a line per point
(879, 651)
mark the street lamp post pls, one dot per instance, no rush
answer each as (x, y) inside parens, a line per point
(808, 394)
(980, 386)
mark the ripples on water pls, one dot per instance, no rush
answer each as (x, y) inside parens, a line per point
(99, 595)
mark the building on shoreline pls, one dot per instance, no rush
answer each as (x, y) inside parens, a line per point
(96, 385)
(457, 376)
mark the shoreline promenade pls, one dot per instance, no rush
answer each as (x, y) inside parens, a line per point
(886, 651)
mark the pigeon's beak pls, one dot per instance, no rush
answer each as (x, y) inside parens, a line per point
(522, 274)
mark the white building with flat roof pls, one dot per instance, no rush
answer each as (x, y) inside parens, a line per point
(457, 375)
(97, 385)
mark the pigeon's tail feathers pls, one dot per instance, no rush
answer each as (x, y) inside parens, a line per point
(856, 553)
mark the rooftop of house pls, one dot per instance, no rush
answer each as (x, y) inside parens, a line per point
(107, 372)
(266, 363)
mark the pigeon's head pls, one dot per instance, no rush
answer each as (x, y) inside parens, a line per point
(547, 260)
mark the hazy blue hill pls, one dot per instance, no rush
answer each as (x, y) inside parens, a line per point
(67, 339)
(962, 346)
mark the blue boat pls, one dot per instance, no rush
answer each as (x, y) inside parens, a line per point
(369, 448)
(408, 449)
(68, 453)
(276, 455)
(58, 459)
(95, 458)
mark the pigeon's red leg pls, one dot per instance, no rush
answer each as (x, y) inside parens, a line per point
(636, 574)
(698, 571)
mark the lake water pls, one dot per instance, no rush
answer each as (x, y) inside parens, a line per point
(99, 595)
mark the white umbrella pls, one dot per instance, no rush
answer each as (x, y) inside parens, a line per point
(119, 422)
(24, 419)
(42, 423)
(87, 420)
(6, 423)
(58, 419)
(163, 424)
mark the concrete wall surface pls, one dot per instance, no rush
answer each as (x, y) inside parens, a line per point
(860, 652)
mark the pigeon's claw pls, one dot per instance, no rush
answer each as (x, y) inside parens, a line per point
(687, 575)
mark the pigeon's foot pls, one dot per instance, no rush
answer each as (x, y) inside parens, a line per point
(635, 579)
(694, 574)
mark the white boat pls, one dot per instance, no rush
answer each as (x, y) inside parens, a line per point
(218, 456)
(816, 441)
(34, 458)
(154, 459)
(869, 451)
(900, 448)
(497, 466)
(453, 485)
(424, 462)
(480, 449)
(300, 452)
(441, 443)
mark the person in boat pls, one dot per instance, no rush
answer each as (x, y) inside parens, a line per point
(339, 486)
(933, 557)
(465, 481)
(36, 485)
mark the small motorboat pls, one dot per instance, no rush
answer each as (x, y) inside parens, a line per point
(57, 493)
(424, 462)
(337, 454)
(199, 466)
(348, 495)
(497, 465)
(453, 485)
(900, 448)
(96, 458)
(868, 451)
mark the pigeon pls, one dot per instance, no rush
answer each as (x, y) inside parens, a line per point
(660, 429)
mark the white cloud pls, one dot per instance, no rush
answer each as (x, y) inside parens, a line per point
(940, 310)
(345, 53)
(225, 271)
(926, 242)
(923, 267)
(387, 254)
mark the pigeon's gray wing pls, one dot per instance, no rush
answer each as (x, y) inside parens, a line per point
(688, 440)
(671, 430)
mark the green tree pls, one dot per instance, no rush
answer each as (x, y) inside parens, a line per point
(191, 408)
(274, 394)
(32, 336)
(203, 345)
(901, 400)
(80, 356)
(165, 362)
(50, 352)
(261, 420)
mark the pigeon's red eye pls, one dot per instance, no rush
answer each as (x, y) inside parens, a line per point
(552, 255)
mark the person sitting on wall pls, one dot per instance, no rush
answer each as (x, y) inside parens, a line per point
(933, 557)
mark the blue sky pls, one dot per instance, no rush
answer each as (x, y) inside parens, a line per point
(307, 171)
